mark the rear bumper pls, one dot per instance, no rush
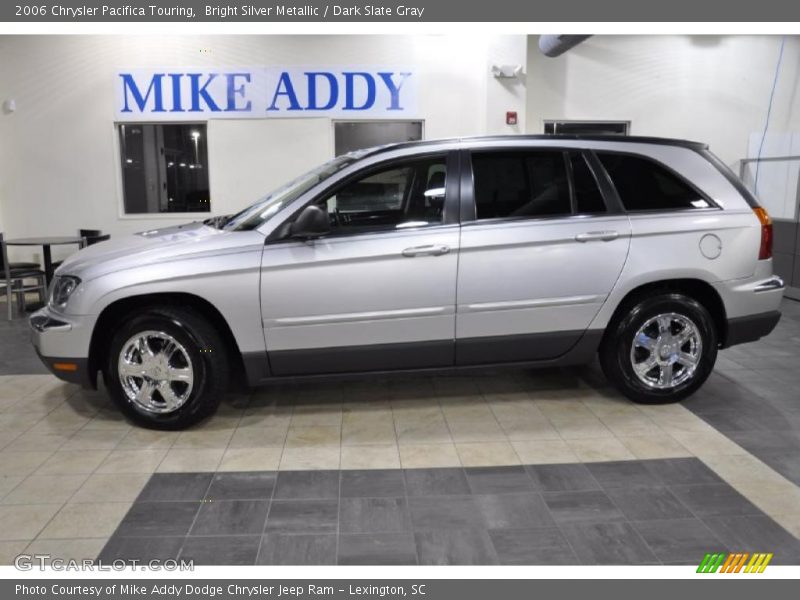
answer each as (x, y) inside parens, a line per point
(742, 330)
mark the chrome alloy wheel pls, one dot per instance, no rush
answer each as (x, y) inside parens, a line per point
(155, 372)
(666, 351)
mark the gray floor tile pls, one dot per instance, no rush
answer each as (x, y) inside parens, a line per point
(756, 534)
(292, 549)
(608, 544)
(141, 549)
(372, 483)
(231, 517)
(681, 471)
(221, 550)
(175, 487)
(647, 504)
(562, 478)
(582, 507)
(242, 486)
(680, 541)
(713, 500)
(455, 547)
(377, 549)
(444, 512)
(303, 516)
(373, 515)
(507, 511)
(622, 474)
(498, 480)
(307, 484)
(150, 519)
(544, 546)
(436, 482)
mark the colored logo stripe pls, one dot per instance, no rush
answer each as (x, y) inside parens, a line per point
(734, 562)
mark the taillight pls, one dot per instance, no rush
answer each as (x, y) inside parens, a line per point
(765, 250)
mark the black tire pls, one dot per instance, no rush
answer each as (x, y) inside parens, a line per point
(615, 351)
(206, 351)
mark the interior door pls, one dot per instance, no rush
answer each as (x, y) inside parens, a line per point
(541, 253)
(378, 293)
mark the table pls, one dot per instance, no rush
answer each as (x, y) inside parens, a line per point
(45, 243)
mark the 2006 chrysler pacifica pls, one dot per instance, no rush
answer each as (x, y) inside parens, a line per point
(504, 250)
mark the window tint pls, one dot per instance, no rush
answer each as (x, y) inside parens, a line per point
(643, 184)
(588, 199)
(520, 184)
(406, 195)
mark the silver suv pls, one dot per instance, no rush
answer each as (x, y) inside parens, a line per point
(442, 254)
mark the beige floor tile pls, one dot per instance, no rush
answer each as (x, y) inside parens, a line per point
(707, 443)
(467, 409)
(314, 436)
(185, 460)
(301, 458)
(416, 429)
(600, 449)
(516, 410)
(21, 463)
(94, 440)
(201, 439)
(579, 427)
(7, 438)
(530, 429)
(45, 489)
(251, 459)
(8, 483)
(86, 520)
(10, 550)
(632, 424)
(25, 521)
(474, 430)
(743, 468)
(54, 389)
(418, 456)
(132, 461)
(774, 499)
(317, 415)
(565, 408)
(371, 428)
(108, 420)
(259, 437)
(36, 406)
(17, 387)
(658, 445)
(148, 439)
(80, 549)
(111, 487)
(72, 462)
(218, 423)
(18, 422)
(790, 523)
(371, 457)
(487, 454)
(541, 452)
(29, 442)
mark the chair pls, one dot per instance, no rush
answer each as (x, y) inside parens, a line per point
(14, 282)
(21, 265)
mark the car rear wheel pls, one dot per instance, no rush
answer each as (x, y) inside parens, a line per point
(661, 350)
(167, 368)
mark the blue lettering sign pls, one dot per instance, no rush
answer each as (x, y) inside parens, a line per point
(349, 90)
(129, 85)
(285, 88)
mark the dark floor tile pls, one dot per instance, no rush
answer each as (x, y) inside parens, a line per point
(242, 486)
(221, 550)
(175, 487)
(680, 541)
(372, 483)
(498, 480)
(436, 482)
(582, 507)
(757, 443)
(713, 500)
(622, 474)
(648, 503)
(562, 478)
(785, 463)
(293, 549)
(231, 517)
(608, 544)
(373, 515)
(455, 547)
(508, 511)
(545, 546)
(756, 534)
(307, 485)
(681, 471)
(140, 549)
(148, 519)
(444, 512)
(303, 516)
(377, 549)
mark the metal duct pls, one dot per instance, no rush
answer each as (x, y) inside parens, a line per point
(556, 45)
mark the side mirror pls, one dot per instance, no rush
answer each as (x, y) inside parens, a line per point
(312, 222)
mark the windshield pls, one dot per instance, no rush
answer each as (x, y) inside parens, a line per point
(259, 213)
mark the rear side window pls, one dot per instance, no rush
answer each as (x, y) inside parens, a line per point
(520, 184)
(643, 184)
(588, 199)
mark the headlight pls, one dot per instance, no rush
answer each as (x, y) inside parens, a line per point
(62, 289)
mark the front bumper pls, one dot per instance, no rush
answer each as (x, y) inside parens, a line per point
(62, 344)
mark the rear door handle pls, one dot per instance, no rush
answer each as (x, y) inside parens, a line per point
(597, 236)
(432, 250)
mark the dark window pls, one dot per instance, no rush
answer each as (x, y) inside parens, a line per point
(520, 184)
(643, 184)
(588, 199)
(164, 168)
(587, 127)
(355, 135)
(411, 194)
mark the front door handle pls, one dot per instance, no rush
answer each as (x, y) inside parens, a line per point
(432, 250)
(597, 236)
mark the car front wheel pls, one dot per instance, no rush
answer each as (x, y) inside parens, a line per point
(661, 350)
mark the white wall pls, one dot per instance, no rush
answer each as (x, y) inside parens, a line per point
(709, 88)
(58, 155)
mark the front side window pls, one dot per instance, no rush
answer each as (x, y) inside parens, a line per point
(643, 184)
(410, 194)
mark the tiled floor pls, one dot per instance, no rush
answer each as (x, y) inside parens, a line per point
(71, 467)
